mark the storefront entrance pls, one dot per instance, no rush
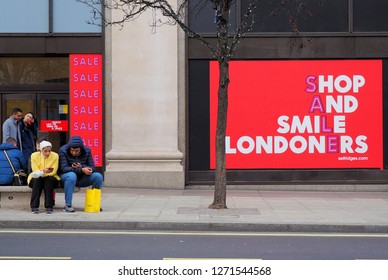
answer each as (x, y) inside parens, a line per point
(48, 108)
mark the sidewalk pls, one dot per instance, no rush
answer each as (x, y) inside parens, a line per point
(186, 210)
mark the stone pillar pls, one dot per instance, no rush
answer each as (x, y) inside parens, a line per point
(142, 114)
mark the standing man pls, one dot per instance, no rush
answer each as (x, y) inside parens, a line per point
(10, 126)
(77, 169)
(16, 157)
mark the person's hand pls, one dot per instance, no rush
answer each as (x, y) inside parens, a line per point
(76, 165)
(48, 170)
(87, 170)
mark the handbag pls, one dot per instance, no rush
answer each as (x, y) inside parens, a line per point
(92, 200)
(20, 176)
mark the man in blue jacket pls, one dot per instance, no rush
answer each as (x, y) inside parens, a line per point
(16, 157)
(10, 126)
(77, 169)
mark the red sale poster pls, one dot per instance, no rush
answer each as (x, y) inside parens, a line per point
(301, 114)
(86, 101)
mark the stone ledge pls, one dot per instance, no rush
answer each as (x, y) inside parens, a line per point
(27, 189)
(18, 197)
(12, 189)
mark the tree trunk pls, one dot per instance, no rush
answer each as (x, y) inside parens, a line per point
(222, 114)
(220, 176)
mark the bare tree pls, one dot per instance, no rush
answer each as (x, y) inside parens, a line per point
(175, 12)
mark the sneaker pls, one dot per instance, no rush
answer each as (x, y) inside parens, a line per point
(35, 210)
(68, 208)
(49, 210)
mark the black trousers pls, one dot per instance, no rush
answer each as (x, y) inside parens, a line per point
(48, 184)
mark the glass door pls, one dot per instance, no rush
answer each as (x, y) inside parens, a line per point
(53, 116)
(25, 102)
(50, 111)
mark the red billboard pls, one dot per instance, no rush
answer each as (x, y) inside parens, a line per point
(86, 101)
(301, 114)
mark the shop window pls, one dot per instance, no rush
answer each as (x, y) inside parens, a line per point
(46, 16)
(24, 16)
(202, 16)
(274, 16)
(34, 70)
(370, 16)
(72, 16)
(306, 16)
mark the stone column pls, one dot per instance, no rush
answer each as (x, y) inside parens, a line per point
(142, 97)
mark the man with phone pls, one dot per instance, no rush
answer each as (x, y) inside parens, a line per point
(77, 169)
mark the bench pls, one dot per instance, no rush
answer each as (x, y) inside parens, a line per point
(19, 197)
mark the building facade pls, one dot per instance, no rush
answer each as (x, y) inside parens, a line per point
(35, 44)
(330, 34)
(157, 104)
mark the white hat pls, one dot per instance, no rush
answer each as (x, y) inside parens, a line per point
(44, 144)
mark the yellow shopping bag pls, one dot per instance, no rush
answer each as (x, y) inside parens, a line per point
(92, 200)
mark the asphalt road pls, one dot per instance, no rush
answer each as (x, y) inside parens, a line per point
(120, 245)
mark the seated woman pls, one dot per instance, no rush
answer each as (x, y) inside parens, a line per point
(44, 165)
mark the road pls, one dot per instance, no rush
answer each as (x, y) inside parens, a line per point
(127, 245)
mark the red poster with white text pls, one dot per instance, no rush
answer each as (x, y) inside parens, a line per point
(53, 125)
(301, 114)
(86, 101)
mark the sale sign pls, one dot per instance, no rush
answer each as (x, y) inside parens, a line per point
(301, 114)
(53, 125)
(86, 101)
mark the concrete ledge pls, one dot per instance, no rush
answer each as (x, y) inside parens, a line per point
(19, 197)
(8, 189)
(15, 200)
(27, 189)
(145, 169)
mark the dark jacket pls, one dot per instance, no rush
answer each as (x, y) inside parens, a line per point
(17, 159)
(66, 159)
(27, 138)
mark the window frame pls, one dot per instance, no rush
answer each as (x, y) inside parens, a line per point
(50, 32)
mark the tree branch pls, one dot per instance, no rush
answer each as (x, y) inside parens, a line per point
(132, 9)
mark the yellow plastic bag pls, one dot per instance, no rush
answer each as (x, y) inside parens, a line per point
(92, 200)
